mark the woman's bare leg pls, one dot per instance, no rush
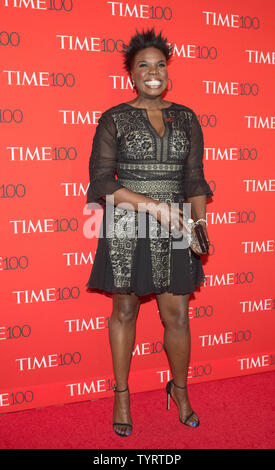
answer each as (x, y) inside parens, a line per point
(174, 314)
(122, 333)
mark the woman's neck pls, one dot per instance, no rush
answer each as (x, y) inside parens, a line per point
(149, 103)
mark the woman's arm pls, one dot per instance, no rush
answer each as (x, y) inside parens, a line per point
(198, 207)
(196, 187)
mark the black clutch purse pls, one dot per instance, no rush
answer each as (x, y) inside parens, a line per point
(198, 237)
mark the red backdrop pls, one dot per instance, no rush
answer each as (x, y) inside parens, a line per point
(61, 68)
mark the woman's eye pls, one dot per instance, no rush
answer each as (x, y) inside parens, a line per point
(144, 64)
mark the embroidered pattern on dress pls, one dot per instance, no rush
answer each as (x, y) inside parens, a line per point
(136, 142)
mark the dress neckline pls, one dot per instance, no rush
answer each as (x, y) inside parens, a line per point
(153, 129)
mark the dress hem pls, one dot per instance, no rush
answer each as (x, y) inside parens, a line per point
(101, 290)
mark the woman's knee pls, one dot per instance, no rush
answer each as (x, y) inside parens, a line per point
(174, 311)
(177, 319)
(125, 308)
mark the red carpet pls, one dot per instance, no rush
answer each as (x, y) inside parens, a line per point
(236, 413)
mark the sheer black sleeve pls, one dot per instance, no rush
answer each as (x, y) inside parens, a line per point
(194, 180)
(102, 164)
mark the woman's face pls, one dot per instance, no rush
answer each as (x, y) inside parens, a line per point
(149, 72)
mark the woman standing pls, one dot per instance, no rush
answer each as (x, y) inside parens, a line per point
(156, 148)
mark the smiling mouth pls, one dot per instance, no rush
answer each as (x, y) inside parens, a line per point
(153, 83)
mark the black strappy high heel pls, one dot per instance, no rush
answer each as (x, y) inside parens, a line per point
(125, 434)
(193, 424)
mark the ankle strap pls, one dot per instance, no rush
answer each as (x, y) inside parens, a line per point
(120, 391)
(178, 386)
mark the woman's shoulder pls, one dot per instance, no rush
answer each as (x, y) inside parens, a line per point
(115, 108)
(182, 107)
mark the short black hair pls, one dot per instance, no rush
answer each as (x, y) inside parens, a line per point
(141, 41)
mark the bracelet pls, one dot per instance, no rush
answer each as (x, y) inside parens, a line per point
(199, 220)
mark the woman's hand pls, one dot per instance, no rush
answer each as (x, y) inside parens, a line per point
(171, 217)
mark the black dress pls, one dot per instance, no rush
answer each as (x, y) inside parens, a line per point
(169, 169)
